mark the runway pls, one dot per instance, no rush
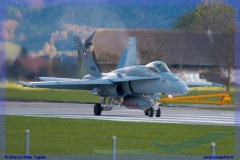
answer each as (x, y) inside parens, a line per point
(181, 115)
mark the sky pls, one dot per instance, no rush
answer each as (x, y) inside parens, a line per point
(44, 3)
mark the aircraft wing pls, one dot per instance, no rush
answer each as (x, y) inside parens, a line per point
(202, 84)
(57, 79)
(79, 84)
(72, 84)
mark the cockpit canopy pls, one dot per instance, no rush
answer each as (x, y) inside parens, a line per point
(158, 67)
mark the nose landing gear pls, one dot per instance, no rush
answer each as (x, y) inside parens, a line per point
(99, 107)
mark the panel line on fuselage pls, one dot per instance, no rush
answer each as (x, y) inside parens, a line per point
(130, 87)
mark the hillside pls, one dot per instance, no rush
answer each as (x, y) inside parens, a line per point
(34, 27)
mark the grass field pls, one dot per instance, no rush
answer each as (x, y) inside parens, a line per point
(83, 136)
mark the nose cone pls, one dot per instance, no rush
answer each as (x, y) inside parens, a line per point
(180, 89)
(185, 90)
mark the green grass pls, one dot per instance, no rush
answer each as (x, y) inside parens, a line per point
(83, 136)
(17, 92)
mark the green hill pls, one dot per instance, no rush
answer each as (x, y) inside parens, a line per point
(37, 25)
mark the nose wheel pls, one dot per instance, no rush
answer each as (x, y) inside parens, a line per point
(97, 109)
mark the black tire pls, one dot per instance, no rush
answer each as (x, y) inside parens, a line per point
(158, 114)
(150, 112)
(97, 109)
(146, 112)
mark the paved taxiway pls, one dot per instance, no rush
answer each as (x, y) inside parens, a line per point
(183, 115)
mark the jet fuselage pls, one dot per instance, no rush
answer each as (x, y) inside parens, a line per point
(165, 83)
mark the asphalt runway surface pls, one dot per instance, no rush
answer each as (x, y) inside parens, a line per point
(181, 115)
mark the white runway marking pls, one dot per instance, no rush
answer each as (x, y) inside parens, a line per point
(182, 115)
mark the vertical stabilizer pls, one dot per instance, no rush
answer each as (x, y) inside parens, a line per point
(90, 64)
(128, 57)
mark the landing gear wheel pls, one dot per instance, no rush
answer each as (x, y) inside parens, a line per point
(97, 109)
(146, 112)
(158, 112)
(150, 112)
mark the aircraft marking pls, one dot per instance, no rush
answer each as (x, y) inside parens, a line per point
(85, 53)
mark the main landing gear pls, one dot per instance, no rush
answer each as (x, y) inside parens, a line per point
(150, 112)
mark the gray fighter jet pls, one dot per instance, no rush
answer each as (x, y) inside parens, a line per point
(130, 85)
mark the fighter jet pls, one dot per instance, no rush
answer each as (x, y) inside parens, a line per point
(130, 85)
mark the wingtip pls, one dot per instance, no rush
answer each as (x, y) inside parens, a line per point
(24, 84)
(216, 84)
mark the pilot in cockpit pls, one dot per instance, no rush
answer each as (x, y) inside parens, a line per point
(158, 67)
